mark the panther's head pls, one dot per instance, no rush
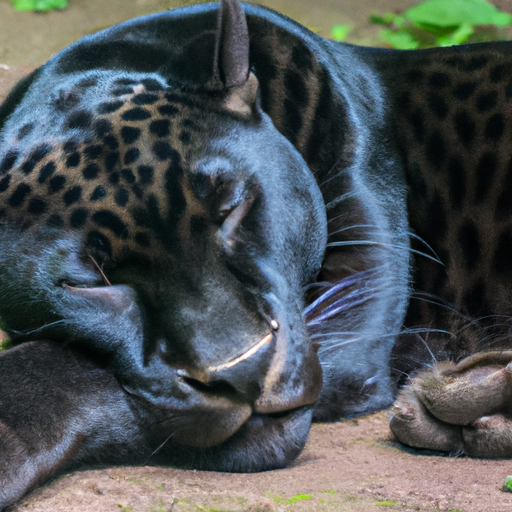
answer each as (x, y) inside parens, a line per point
(169, 230)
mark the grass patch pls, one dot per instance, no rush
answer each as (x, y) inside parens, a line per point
(298, 497)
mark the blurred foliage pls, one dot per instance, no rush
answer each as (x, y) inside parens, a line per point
(439, 23)
(340, 32)
(5, 344)
(38, 5)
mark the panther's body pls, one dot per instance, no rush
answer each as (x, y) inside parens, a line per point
(189, 221)
(453, 117)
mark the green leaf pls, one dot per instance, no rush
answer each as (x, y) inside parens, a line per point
(507, 484)
(400, 39)
(458, 37)
(340, 32)
(452, 13)
(38, 5)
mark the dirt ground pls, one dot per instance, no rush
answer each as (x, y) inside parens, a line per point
(353, 465)
(348, 466)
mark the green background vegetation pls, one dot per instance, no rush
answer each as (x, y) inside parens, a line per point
(431, 23)
(437, 23)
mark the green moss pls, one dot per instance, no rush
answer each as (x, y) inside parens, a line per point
(298, 497)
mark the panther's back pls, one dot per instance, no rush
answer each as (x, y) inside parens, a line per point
(452, 112)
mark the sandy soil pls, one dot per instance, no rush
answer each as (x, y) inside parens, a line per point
(348, 466)
(351, 466)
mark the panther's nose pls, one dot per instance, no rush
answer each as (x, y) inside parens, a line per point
(293, 378)
(272, 375)
(241, 378)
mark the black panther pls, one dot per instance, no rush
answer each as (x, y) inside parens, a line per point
(217, 227)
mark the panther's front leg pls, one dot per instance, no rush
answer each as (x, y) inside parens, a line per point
(56, 411)
(459, 408)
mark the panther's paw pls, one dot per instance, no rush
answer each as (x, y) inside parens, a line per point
(459, 408)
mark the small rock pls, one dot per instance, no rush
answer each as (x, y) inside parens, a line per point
(443, 505)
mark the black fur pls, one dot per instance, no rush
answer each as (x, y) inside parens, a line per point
(208, 294)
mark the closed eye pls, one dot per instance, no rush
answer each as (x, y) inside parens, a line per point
(223, 214)
(233, 220)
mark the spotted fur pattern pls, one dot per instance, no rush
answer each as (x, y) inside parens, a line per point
(123, 181)
(453, 116)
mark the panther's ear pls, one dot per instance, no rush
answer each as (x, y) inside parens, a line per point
(231, 60)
